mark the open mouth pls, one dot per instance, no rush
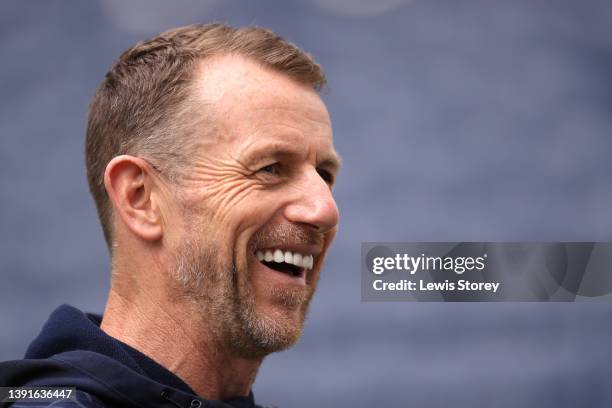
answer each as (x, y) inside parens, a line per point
(290, 263)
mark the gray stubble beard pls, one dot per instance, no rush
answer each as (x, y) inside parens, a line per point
(227, 302)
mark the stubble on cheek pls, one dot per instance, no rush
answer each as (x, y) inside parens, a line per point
(220, 286)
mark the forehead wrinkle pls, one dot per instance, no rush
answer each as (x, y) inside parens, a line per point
(314, 115)
(286, 122)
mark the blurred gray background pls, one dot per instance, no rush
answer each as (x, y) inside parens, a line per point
(458, 120)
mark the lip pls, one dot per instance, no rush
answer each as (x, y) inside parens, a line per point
(274, 276)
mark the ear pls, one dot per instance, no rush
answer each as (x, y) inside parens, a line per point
(129, 183)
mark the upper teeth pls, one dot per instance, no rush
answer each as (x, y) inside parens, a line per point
(293, 258)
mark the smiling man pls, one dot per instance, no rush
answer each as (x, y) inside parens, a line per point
(210, 158)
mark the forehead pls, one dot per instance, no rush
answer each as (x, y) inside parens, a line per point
(250, 104)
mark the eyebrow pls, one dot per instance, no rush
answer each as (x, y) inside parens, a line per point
(332, 160)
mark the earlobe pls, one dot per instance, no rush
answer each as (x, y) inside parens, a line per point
(129, 186)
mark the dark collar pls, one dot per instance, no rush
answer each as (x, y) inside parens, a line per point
(76, 340)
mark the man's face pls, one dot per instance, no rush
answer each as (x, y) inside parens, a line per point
(258, 211)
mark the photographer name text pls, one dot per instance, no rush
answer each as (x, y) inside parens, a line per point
(423, 263)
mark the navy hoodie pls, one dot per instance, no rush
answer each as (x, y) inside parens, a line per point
(72, 350)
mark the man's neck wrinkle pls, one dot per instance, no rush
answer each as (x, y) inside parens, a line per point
(180, 340)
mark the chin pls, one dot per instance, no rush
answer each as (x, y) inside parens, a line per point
(272, 327)
(264, 335)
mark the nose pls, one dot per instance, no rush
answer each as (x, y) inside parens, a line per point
(314, 204)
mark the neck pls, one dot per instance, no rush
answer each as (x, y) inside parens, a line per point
(173, 334)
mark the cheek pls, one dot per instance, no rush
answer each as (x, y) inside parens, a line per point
(228, 201)
(238, 226)
(231, 211)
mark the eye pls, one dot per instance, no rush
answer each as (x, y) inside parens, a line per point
(326, 175)
(273, 168)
